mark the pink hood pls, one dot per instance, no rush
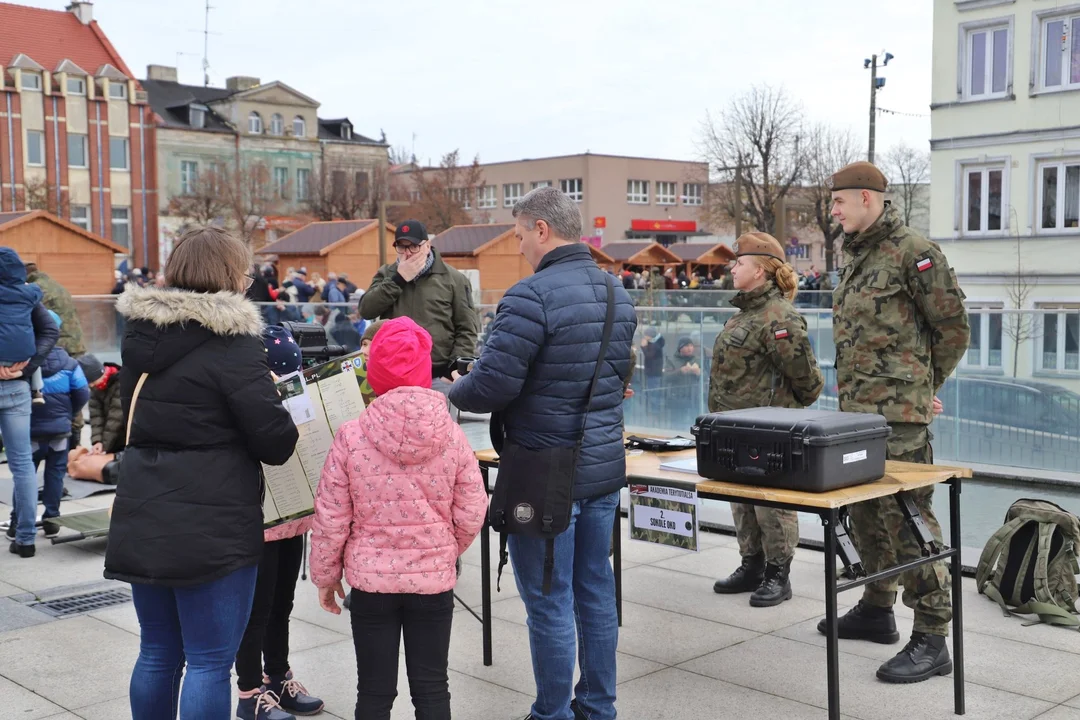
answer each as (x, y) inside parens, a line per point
(399, 500)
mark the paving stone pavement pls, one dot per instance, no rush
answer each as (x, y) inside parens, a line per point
(684, 652)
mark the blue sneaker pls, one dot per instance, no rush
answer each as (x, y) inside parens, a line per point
(264, 706)
(293, 696)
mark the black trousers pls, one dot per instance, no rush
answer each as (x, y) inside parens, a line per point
(267, 633)
(378, 621)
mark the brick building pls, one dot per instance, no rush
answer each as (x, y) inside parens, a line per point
(76, 133)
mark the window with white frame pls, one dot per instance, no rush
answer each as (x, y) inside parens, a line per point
(539, 184)
(189, 173)
(197, 116)
(78, 152)
(76, 86)
(35, 147)
(118, 154)
(281, 182)
(665, 193)
(512, 192)
(277, 124)
(1059, 58)
(303, 184)
(1058, 200)
(1059, 349)
(487, 197)
(984, 348)
(986, 74)
(637, 192)
(299, 127)
(573, 187)
(30, 81)
(80, 215)
(414, 196)
(461, 197)
(121, 226)
(692, 194)
(255, 123)
(983, 200)
(118, 90)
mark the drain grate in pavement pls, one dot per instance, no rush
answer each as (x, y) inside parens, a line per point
(83, 603)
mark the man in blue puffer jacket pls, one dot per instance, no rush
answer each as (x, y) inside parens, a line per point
(66, 393)
(535, 370)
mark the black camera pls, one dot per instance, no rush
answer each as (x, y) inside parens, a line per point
(316, 345)
(464, 364)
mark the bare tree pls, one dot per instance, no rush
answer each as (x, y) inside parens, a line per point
(250, 195)
(909, 172)
(828, 149)
(443, 196)
(206, 204)
(340, 193)
(761, 132)
(40, 194)
(400, 156)
(1020, 326)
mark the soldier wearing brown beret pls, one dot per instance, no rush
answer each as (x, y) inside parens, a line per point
(901, 329)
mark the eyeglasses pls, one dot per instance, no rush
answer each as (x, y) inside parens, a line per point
(408, 248)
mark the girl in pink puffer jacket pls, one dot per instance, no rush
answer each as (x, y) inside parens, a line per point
(400, 499)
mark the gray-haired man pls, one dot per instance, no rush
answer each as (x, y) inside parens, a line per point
(535, 370)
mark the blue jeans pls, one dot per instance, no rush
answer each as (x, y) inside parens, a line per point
(577, 618)
(15, 427)
(199, 625)
(53, 452)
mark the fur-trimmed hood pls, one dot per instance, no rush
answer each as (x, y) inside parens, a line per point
(223, 313)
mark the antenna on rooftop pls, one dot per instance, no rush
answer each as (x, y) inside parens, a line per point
(206, 47)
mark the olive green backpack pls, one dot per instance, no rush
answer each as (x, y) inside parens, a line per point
(1029, 565)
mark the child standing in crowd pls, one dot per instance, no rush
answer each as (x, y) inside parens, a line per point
(106, 412)
(65, 393)
(399, 501)
(275, 695)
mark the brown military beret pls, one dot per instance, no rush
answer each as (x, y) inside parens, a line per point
(858, 176)
(758, 243)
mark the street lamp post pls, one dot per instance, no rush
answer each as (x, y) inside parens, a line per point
(383, 204)
(876, 84)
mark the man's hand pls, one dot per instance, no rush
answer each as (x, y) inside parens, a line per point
(938, 407)
(411, 266)
(97, 449)
(628, 393)
(454, 376)
(327, 600)
(13, 372)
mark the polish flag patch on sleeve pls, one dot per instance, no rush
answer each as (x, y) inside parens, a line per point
(780, 334)
(924, 264)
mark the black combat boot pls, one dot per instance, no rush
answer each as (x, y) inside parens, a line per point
(921, 659)
(775, 588)
(866, 622)
(746, 578)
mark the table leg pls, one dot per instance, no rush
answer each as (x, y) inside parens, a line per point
(957, 598)
(616, 557)
(485, 579)
(829, 520)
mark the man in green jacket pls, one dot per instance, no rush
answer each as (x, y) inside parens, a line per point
(420, 286)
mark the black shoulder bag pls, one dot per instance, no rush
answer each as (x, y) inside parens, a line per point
(534, 491)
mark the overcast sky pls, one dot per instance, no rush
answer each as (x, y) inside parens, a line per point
(508, 79)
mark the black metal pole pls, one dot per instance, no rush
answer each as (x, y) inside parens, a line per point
(485, 578)
(957, 597)
(616, 556)
(829, 520)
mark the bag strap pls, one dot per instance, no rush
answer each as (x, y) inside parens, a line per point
(605, 341)
(131, 408)
(992, 550)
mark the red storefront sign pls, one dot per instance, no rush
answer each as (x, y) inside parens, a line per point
(600, 222)
(664, 225)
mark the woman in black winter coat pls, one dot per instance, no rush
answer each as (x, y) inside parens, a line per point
(187, 523)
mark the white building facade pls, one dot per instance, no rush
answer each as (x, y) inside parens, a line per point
(1005, 169)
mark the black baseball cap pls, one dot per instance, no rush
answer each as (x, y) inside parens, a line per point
(412, 231)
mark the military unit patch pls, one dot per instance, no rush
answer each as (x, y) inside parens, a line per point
(924, 264)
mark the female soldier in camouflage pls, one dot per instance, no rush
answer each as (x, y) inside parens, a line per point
(763, 358)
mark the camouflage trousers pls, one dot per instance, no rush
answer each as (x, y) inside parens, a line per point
(884, 540)
(776, 532)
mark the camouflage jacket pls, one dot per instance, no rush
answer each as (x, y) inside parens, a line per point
(898, 320)
(763, 357)
(59, 300)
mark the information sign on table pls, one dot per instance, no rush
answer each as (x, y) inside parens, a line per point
(664, 515)
(320, 400)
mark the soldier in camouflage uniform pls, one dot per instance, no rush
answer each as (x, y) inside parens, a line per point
(763, 358)
(900, 329)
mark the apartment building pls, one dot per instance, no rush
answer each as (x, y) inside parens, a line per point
(1005, 165)
(76, 132)
(620, 197)
(254, 129)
